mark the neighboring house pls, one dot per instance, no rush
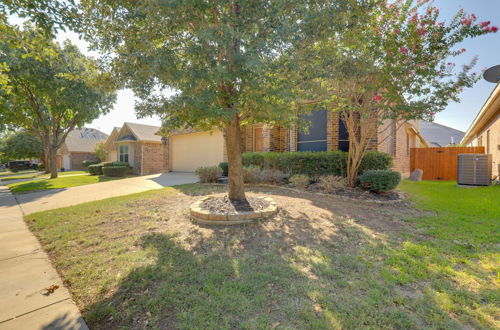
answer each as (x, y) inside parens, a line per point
(148, 153)
(438, 135)
(79, 146)
(139, 146)
(485, 129)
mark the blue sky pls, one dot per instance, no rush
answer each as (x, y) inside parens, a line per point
(456, 115)
(487, 47)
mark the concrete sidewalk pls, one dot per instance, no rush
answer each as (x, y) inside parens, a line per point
(25, 275)
(56, 198)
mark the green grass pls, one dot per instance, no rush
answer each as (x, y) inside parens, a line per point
(8, 172)
(40, 175)
(137, 262)
(60, 182)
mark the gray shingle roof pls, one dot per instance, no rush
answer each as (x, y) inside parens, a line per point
(84, 139)
(145, 132)
(439, 135)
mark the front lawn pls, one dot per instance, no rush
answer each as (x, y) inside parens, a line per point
(8, 172)
(60, 182)
(137, 261)
(39, 175)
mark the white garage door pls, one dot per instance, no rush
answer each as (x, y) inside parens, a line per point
(190, 151)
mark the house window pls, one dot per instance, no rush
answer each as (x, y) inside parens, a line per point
(407, 144)
(315, 138)
(488, 141)
(391, 138)
(124, 154)
(343, 135)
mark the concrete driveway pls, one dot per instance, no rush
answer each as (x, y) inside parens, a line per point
(56, 198)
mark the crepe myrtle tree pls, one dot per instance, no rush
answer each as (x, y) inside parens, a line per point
(221, 59)
(50, 89)
(394, 65)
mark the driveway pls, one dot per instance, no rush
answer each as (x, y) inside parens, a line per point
(56, 198)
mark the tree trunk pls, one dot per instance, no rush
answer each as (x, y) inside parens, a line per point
(236, 190)
(53, 162)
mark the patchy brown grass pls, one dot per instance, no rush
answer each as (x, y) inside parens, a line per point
(138, 261)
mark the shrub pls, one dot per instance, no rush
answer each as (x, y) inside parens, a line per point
(96, 169)
(251, 174)
(375, 160)
(331, 182)
(40, 167)
(225, 168)
(209, 174)
(379, 180)
(271, 176)
(315, 164)
(115, 171)
(87, 162)
(299, 180)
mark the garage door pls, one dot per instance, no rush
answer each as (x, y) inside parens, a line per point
(190, 151)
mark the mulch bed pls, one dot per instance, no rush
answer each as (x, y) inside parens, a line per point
(222, 205)
(356, 193)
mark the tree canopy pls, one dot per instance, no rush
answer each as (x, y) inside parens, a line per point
(20, 145)
(50, 89)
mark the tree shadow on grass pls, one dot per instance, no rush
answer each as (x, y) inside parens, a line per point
(301, 270)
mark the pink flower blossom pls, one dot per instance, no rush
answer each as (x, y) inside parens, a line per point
(473, 17)
(422, 31)
(493, 29)
(466, 21)
(395, 31)
(377, 98)
(432, 113)
(463, 50)
(403, 50)
(484, 24)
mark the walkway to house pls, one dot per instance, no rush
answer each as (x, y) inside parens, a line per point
(31, 292)
(56, 198)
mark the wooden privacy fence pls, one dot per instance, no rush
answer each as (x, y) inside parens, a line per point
(439, 163)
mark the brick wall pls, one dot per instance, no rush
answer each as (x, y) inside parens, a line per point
(76, 159)
(155, 158)
(137, 157)
(332, 131)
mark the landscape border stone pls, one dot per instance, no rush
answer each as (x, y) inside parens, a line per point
(206, 217)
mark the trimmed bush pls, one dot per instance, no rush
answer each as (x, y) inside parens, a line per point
(225, 168)
(115, 171)
(300, 180)
(95, 169)
(315, 164)
(330, 183)
(40, 167)
(87, 162)
(209, 174)
(379, 180)
(375, 160)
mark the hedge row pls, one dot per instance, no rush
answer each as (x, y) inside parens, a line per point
(315, 164)
(115, 171)
(96, 169)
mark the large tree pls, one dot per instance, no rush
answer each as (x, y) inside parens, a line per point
(21, 145)
(223, 60)
(393, 65)
(50, 89)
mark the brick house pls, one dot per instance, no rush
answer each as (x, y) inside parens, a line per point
(79, 146)
(327, 133)
(139, 146)
(485, 129)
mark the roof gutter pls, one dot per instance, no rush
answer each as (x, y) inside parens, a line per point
(483, 116)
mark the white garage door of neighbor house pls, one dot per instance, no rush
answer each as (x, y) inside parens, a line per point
(190, 151)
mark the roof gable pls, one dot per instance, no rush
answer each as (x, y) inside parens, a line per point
(440, 135)
(84, 139)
